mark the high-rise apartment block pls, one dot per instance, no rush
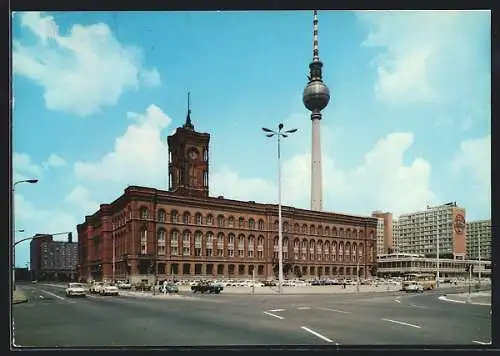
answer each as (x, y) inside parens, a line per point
(384, 232)
(479, 240)
(53, 260)
(419, 232)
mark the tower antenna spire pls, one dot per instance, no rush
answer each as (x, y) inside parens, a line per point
(189, 124)
(315, 37)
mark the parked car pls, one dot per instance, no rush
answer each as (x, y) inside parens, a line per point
(414, 288)
(76, 290)
(204, 287)
(124, 285)
(95, 287)
(170, 288)
(108, 289)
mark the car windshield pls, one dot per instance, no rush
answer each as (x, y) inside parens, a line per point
(75, 285)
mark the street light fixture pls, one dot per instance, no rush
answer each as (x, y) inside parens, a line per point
(30, 181)
(280, 133)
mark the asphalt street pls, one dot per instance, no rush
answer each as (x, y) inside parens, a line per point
(50, 319)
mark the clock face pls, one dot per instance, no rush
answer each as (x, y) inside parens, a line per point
(193, 154)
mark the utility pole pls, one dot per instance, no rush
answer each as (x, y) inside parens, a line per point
(357, 274)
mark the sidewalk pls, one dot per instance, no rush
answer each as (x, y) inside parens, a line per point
(19, 297)
(477, 298)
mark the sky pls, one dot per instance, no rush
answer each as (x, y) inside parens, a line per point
(95, 96)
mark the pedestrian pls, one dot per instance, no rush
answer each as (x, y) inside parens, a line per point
(165, 287)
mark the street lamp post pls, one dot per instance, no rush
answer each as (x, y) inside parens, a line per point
(279, 134)
(357, 274)
(113, 235)
(30, 181)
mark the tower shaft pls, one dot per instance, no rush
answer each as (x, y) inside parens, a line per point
(316, 165)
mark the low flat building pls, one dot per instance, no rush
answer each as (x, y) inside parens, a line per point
(398, 264)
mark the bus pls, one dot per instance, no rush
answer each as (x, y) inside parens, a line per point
(426, 280)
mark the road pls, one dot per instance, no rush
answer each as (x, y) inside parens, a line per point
(50, 319)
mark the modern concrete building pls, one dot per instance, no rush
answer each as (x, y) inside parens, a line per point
(316, 96)
(419, 232)
(53, 260)
(384, 232)
(479, 240)
(398, 264)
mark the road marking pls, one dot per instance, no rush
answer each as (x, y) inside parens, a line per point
(397, 300)
(481, 342)
(418, 306)
(276, 316)
(443, 298)
(303, 308)
(402, 323)
(316, 334)
(276, 310)
(54, 295)
(336, 310)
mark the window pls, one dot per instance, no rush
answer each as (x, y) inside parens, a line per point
(220, 252)
(197, 251)
(250, 253)
(231, 239)
(144, 212)
(205, 154)
(304, 228)
(312, 230)
(231, 221)
(320, 230)
(210, 219)
(205, 178)
(241, 253)
(174, 251)
(198, 219)
(220, 220)
(230, 253)
(296, 227)
(276, 225)
(260, 254)
(197, 237)
(285, 227)
(186, 237)
(186, 251)
(186, 218)
(144, 241)
(162, 216)
(241, 222)
(209, 252)
(161, 241)
(175, 237)
(174, 216)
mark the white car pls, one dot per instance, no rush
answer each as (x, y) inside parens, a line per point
(76, 290)
(124, 285)
(414, 288)
(95, 287)
(108, 289)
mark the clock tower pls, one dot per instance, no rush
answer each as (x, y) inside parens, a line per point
(188, 160)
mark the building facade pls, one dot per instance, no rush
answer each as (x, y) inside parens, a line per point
(399, 264)
(53, 260)
(419, 232)
(185, 233)
(385, 242)
(479, 240)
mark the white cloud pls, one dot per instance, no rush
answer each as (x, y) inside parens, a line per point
(80, 197)
(34, 219)
(474, 158)
(139, 155)
(23, 166)
(54, 161)
(425, 52)
(381, 181)
(81, 71)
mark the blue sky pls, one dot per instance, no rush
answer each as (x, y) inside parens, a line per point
(96, 95)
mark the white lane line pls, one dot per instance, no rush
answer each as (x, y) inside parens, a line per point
(397, 300)
(443, 298)
(481, 342)
(54, 295)
(316, 334)
(276, 316)
(303, 308)
(402, 323)
(276, 310)
(335, 310)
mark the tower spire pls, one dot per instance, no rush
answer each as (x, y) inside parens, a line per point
(315, 37)
(189, 124)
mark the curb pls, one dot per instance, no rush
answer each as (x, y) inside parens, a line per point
(446, 299)
(20, 301)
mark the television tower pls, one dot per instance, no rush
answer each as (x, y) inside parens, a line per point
(316, 97)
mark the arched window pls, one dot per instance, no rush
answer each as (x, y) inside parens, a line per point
(285, 227)
(144, 212)
(210, 219)
(161, 244)
(231, 221)
(241, 222)
(220, 220)
(276, 225)
(162, 216)
(174, 216)
(144, 240)
(199, 219)
(296, 227)
(186, 217)
(312, 230)
(261, 225)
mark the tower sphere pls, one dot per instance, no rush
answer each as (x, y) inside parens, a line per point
(316, 95)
